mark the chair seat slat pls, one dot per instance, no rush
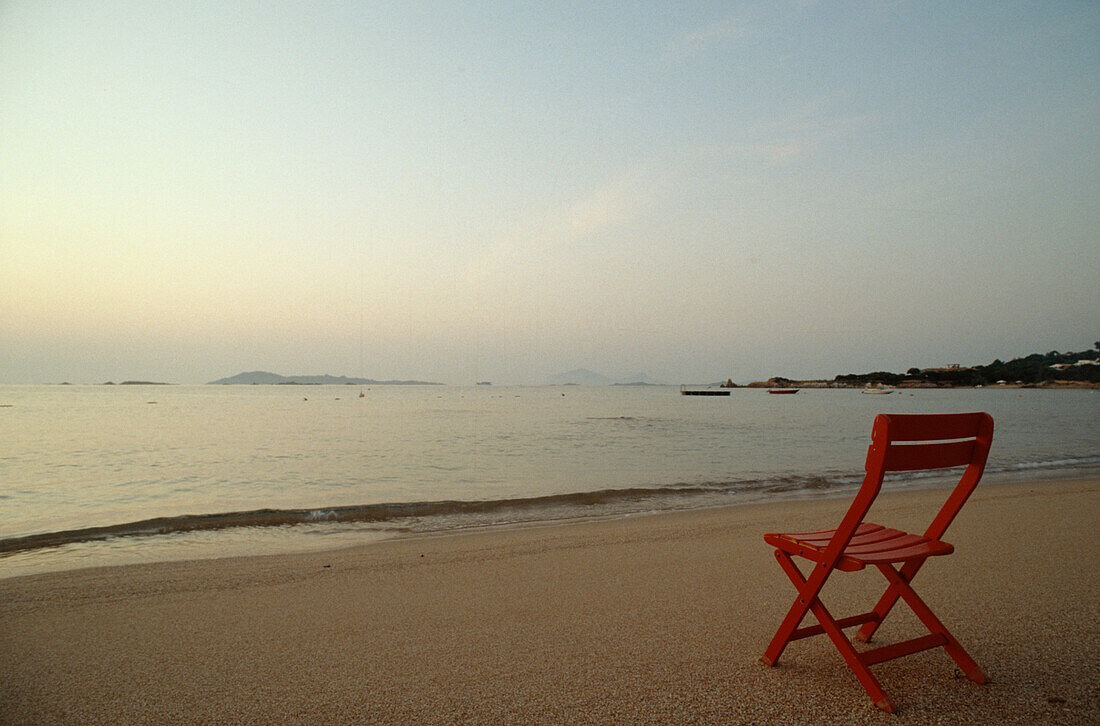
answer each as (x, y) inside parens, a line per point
(895, 543)
(931, 548)
(883, 535)
(874, 533)
(863, 528)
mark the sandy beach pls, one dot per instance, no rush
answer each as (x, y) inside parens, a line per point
(647, 619)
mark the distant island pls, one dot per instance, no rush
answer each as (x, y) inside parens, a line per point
(264, 378)
(1045, 370)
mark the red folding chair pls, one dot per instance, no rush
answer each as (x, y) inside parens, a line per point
(898, 443)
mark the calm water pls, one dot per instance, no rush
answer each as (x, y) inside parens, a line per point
(79, 457)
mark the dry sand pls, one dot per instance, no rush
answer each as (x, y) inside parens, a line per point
(648, 619)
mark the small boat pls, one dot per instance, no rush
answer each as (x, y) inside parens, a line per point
(484, 383)
(704, 391)
(783, 390)
(877, 390)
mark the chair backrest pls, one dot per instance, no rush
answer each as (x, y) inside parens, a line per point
(929, 441)
(910, 442)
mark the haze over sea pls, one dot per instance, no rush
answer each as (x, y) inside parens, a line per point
(263, 469)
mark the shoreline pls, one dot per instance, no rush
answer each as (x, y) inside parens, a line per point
(320, 529)
(653, 618)
(830, 385)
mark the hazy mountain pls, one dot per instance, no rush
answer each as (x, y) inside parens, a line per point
(266, 378)
(252, 377)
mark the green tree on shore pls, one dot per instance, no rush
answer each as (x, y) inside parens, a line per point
(1031, 369)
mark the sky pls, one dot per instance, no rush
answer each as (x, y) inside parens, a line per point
(504, 191)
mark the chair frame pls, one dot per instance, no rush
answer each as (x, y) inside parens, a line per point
(947, 440)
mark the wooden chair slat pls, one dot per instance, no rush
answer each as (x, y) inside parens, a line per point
(883, 535)
(911, 457)
(902, 541)
(863, 528)
(934, 427)
(916, 552)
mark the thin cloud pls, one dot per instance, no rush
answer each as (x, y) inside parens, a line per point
(616, 201)
(692, 42)
(633, 193)
(773, 154)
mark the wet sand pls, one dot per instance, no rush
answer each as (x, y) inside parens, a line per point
(648, 619)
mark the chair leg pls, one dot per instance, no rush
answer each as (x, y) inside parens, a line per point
(807, 600)
(797, 611)
(926, 616)
(886, 602)
(851, 657)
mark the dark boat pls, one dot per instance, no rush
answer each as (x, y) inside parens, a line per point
(783, 390)
(704, 391)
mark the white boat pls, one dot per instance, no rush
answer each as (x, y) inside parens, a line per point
(877, 390)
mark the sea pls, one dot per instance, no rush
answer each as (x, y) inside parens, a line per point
(109, 475)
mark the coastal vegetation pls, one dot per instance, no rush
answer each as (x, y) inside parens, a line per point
(1038, 369)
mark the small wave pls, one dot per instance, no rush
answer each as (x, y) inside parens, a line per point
(1055, 464)
(448, 514)
(817, 483)
(389, 512)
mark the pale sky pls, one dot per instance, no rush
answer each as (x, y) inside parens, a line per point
(505, 191)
